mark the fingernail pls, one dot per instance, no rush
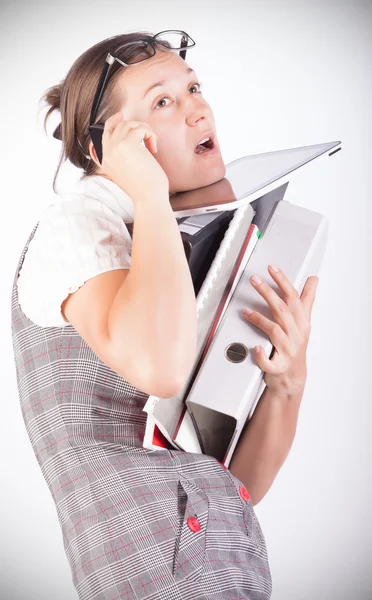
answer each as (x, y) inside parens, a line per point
(274, 268)
(256, 279)
(247, 311)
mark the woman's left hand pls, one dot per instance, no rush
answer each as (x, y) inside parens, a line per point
(285, 372)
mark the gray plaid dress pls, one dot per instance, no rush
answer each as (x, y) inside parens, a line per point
(136, 523)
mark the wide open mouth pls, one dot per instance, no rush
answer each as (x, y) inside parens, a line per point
(208, 145)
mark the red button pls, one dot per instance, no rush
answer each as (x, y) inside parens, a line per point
(193, 524)
(244, 493)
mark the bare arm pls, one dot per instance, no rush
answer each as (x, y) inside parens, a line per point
(159, 317)
(265, 442)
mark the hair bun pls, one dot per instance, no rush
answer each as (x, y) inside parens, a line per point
(53, 96)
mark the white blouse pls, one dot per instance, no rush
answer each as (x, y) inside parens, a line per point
(81, 236)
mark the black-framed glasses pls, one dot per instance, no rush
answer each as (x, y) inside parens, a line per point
(130, 54)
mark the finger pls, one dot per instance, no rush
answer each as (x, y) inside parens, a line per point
(278, 307)
(290, 294)
(143, 132)
(285, 344)
(122, 129)
(265, 364)
(288, 289)
(116, 128)
(308, 294)
(301, 311)
(111, 123)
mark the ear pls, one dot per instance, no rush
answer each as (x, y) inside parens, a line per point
(92, 152)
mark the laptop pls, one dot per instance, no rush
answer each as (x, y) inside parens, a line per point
(249, 178)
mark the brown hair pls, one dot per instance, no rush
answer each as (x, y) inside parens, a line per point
(74, 95)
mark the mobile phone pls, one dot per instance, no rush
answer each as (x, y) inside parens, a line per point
(96, 132)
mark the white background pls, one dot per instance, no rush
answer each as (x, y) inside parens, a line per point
(278, 74)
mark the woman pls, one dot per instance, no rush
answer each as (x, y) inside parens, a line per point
(99, 322)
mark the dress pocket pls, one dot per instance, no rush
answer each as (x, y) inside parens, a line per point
(193, 510)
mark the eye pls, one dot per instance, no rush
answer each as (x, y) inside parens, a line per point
(193, 85)
(200, 86)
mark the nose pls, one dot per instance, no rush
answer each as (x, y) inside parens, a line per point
(196, 112)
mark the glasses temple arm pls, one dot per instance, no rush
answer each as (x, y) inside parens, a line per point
(100, 89)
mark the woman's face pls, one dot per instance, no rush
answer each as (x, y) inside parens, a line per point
(178, 114)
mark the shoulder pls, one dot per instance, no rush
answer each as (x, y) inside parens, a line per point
(95, 197)
(78, 237)
(95, 212)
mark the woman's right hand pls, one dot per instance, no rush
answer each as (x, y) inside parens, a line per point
(128, 162)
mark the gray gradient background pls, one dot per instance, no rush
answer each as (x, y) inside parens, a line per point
(290, 73)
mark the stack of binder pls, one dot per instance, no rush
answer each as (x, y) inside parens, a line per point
(224, 249)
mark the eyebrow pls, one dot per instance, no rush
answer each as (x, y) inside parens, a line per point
(159, 83)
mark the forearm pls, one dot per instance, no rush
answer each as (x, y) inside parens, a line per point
(160, 306)
(265, 442)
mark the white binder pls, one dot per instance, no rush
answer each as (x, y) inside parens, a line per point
(225, 391)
